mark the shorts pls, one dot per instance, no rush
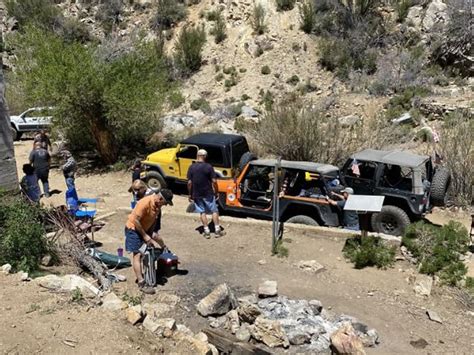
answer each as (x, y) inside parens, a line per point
(206, 205)
(133, 242)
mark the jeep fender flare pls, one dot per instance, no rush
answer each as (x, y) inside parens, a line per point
(156, 168)
(304, 208)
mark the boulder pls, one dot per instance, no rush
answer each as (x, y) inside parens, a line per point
(349, 121)
(269, 332)
(232, 322)
(167, 298)
(370, 338)
(183, 329)
(268, 289)
(298, 337)
(201, 337)
(112, 302)
(134, 314)
(243, 333)
(309, 265)
(436, 13)
(191, 344)
(432, 315)
(252, 299)
(248, 312)
(178, 122)
(47, 260)
(68, 283)
(414, 17)
(159, 325)
(316, 306)
(423, 285)
(220, 301)
(217, 322)
(6, 268)
(247, 111)
(156, 310)
(345, 341)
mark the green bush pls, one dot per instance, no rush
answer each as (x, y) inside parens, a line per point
(369, 251)
(213, 15)
(293, 80)
(265, 70)
(230, 70)
(168, 13)
(176, 99)
(22, 235)
(219, 30)
(403, 101)
(437, 250)
(285, 5)
(245, 97)
(402, 7)
(201, 104)
(110, 13)
(188, 50)
(307, 16)
(267, 99)
(40, 13)
(219, 77)
(88, 86)
(258, 19)
(72, 30)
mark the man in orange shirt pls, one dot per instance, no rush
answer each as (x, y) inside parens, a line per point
(139, 230)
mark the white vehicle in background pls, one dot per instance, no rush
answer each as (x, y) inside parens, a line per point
(31, 120)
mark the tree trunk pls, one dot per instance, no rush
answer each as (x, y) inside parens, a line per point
(104, 141)
(8, 172)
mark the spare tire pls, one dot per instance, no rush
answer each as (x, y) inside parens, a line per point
(245, 159)
(155, 181)
(439, 186)
(303, 219)
(391, 220)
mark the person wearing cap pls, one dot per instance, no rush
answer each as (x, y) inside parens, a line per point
(202, 188)
(350, 218)
(69, 169)
(139, 230)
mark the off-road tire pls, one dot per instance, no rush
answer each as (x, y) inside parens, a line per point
(439, 186)
(155, 180)
(245, 159)
(302, 219)
(391, 220)
(15, 134)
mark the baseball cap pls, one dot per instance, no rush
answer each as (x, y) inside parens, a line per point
(349, 190)
(202, 153)
(167, 196)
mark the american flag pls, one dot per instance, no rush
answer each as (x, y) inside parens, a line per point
(355, 168)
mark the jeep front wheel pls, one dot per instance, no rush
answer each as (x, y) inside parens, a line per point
(15, 134)
(155, 180)
(391, 220)
(302, 219)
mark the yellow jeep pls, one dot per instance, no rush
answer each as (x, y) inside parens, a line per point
(225, 152)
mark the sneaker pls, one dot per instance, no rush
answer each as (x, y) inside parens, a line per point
(142, 286)
(219, 233)
(207, 234)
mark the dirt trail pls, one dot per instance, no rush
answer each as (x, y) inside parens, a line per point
(381, 298)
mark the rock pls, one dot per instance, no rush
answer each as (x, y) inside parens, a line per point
(213, 349)
(370, 338)
(248, 312)
(217, 322)
(268, 289)
(310, 266)
(218, 302)
(414, 17)
(349, 121)
(317, 306)
(202, 337)
(134, 314)
(183, 329)
(436, 13)
(298, 337)
(247, 111)
(167, 298)
(23, 276)
(232, 322)
(68, 283)
(423, 285)
(405, 118)
(178, 122)
(345, 341)
(191, 344)
(156, 310)
(47, 260)
(6, 268)
(252, 299)
(419, 344)
(112, 302)
(159, 325)
(269, 332)
(432, 315)
(243, 333)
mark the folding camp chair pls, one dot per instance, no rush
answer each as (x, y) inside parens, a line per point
(81, 208)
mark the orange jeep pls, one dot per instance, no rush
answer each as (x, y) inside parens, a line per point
(304, 187)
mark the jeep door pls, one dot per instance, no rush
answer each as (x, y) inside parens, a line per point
(185, 156)
(361, 176)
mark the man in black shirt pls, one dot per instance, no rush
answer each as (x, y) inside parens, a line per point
(202, 187)
(350, 218)
(40, 159)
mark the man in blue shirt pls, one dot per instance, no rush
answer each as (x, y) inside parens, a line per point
(350, 218)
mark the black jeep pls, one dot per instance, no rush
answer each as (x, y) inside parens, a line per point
(410, 183)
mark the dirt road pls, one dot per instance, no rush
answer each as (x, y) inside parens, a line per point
(381, 298)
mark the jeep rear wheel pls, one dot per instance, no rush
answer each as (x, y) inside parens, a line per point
(391, 220)
(155, 180)
(302, 219)
(15, 134)
(439, 187)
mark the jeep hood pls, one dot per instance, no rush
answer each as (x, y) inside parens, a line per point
(162, 156)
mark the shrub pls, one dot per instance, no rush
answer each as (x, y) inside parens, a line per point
(219, 30)
(176, 99)
(403, 101)
(402, 7)
(245, 97)
(285, 5)
(267, 99)
(88, 85)
(265, 70)
(188, 50)
(168, 13)
(219, 77)
(230, 70)
(307, 16)
(40, 13)
(437, 250)
(72, 30)
(369, 251)
(232, 81)
(258, 19)
(213, 15)
(201, 104)
(22, 235)
(109, 14)
(294, 80)
(457, 149)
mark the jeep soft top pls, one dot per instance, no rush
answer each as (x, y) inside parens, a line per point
(391, 157)
(323, 169)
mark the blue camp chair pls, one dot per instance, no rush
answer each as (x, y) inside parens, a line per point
(81, 208)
